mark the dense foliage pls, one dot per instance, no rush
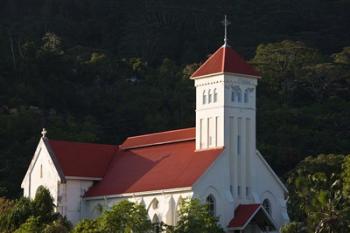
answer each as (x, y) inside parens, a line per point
(303, 101)
(124, 217)
(127, 217)
(32, 216)
(101, 71)
(319, 201)
(194, 217)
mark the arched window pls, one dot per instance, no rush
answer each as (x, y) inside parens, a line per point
(215, 96)
(267, 206)
(204, 97)
(239, 95)
(209, 96)
(246, 95)
(177, 209)
(211, 204)
(156, 224)
(155, 203)
(236, 95)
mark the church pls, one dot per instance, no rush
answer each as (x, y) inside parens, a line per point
(216, 161)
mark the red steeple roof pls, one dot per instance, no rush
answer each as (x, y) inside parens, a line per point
(225, 60)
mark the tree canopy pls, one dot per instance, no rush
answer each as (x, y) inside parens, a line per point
(318, 195)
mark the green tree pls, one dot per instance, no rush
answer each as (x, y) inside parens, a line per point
(52, 44)
(194, 217)
(281, 64)
(19, 214)
(88, 226)
(293, 227)
(60, 225)
(312, 173)
(125, 217)
(43, 205)
(31, 225)
(6, 206)
(346, 176)
(343, 57)
(316, 194)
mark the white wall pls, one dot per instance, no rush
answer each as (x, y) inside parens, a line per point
(71, 194)
(267, 186)
(239, 176)
(209, 116)
(166, 211)
(67, 196)
(41, 172)
(216, 182)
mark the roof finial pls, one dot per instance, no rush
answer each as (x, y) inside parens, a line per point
(44, 132)
(225, 22)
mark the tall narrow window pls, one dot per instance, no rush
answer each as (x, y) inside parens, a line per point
(215, 96)
(209, 96)
(156, 224)
(201, 134)
(246, 95)
(238, 144)
(239, 95)
(204, 98)
(239, 190)
(267, 206)
(211, 204)
(216, 131)
(231, 189)
(41, 171)
(209, 132)
(236, 95)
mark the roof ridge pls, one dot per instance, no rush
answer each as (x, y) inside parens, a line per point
(156, 133)
(76, 142)
(211, 55)
(223, 59)
(157, 143)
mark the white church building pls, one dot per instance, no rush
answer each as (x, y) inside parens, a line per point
(216, 161)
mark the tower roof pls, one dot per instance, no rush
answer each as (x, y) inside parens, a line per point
(225, 60)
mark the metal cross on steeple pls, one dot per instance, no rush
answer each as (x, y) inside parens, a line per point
(225, 22)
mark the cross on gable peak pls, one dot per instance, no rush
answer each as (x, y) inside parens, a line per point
(43, 133)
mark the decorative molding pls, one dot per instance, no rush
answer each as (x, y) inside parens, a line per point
(83, 178)
(145, 193)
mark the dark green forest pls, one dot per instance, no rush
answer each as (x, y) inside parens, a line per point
(99, 71)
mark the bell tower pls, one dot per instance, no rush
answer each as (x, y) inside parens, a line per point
(225, 112)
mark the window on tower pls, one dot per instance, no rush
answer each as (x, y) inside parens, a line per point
(238, 144)
(246, 96)
(209, 96)
(236, 95)
(239, 95)
(204, 97)
(215, 96)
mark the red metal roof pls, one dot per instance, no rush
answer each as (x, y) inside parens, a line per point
(82, 159)
(243, 214)
(225, 60)
(157, 167)
(159, 138)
